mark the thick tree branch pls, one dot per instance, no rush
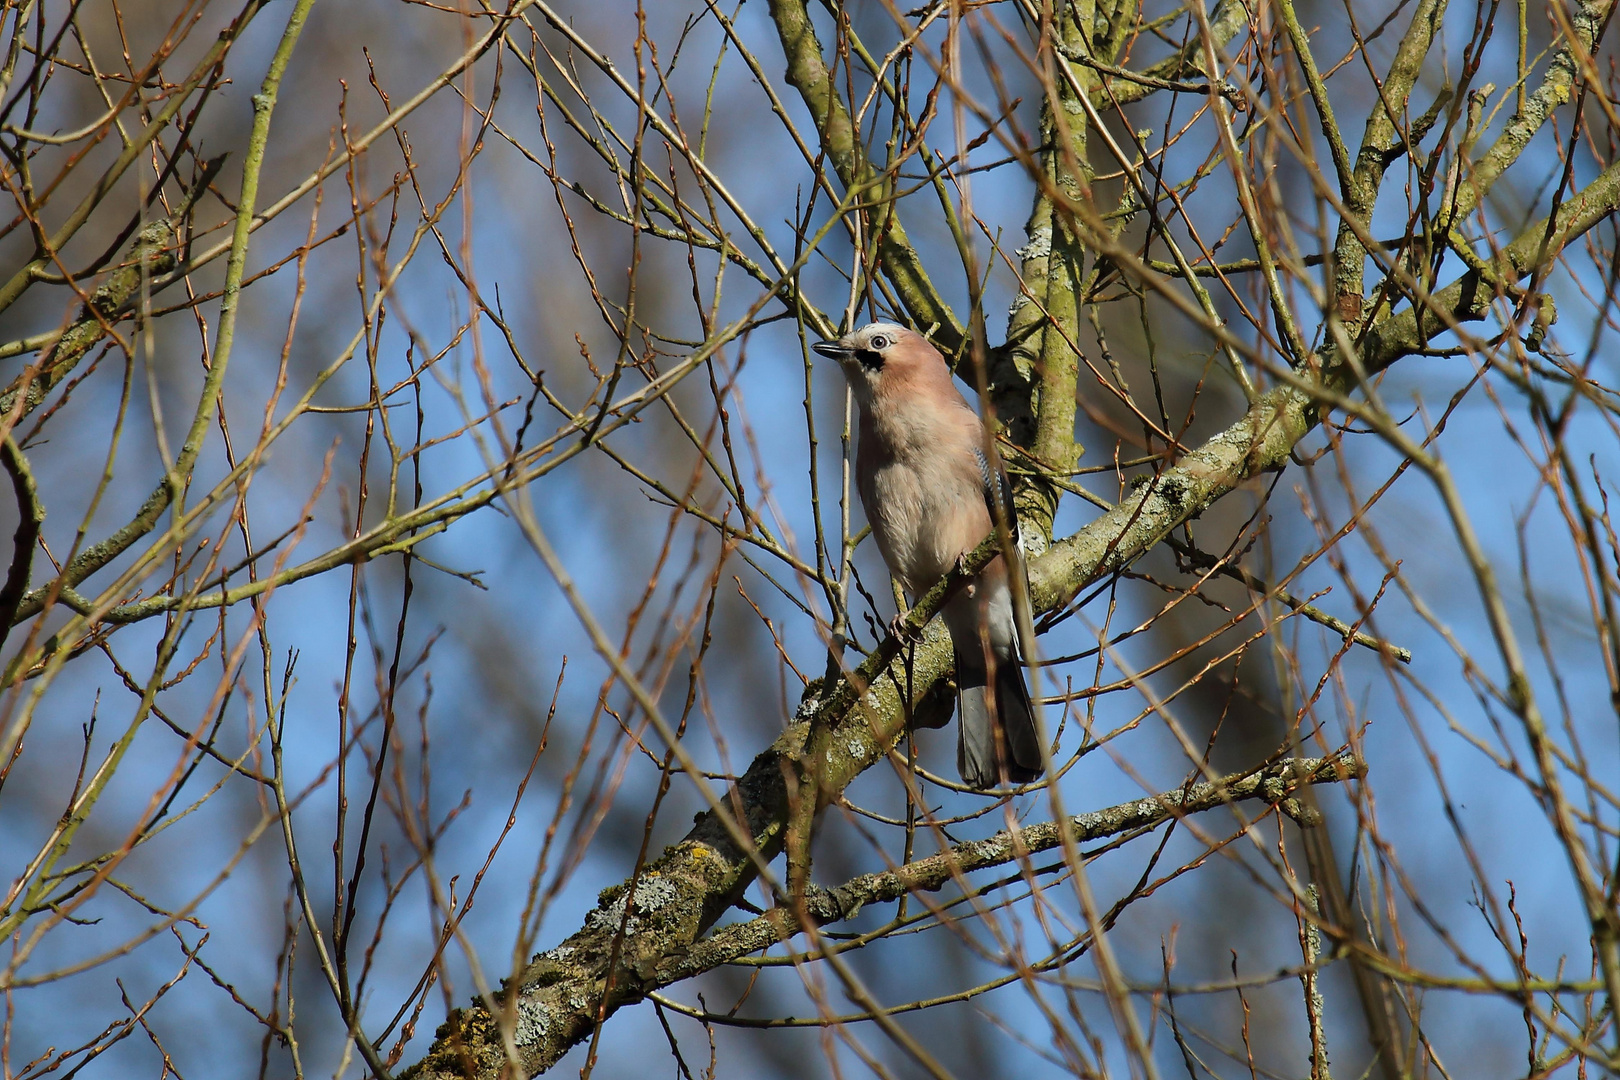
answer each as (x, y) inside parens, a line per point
(550, 1007)
(1033, 379)
(681, 894)
(132, 152)
(1225, 20)
(1586, 22)
(1274, 784)
(1381, 136)
(30, 515)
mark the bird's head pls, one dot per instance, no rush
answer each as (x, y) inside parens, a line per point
(883, 357)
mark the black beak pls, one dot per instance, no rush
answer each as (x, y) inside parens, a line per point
(833, 350)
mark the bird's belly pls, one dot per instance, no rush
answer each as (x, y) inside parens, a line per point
(912, 517)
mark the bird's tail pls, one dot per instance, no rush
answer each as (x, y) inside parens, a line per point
(996, 734)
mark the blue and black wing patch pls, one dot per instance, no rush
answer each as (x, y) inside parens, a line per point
(997, 491)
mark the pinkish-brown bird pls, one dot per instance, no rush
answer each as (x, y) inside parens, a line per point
(929, 481)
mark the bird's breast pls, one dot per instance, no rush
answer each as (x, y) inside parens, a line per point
(923, 515)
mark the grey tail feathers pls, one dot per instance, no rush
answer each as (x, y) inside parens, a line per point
(995, 737)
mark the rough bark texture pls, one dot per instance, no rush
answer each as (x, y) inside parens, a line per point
(1033, 378)
(558, 994)
(1274, 784)
(153, 253)
(1378, 151)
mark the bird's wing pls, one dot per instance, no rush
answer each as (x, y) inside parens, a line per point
(997, 491)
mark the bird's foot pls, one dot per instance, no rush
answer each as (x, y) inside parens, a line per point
(900, 626)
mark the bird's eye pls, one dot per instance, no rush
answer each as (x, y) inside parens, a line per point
(878, 342)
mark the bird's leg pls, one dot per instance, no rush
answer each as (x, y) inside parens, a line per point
(960, 570)
(898, 626)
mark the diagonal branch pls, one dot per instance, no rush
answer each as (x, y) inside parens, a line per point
(153, 253)
(1272, 784)
(1225, 20)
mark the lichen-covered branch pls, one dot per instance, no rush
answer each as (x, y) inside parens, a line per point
(1469, 297)
(682, 893)
(1273, 784)
(1586, 22)
(1033, 380)
(1377, 152)
(152, 253)
(132, 151)
(1225, 20)
(554, 1008)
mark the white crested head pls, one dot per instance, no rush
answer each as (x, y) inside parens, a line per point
(882, 358)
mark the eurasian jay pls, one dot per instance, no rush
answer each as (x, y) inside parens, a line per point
(928, 489)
